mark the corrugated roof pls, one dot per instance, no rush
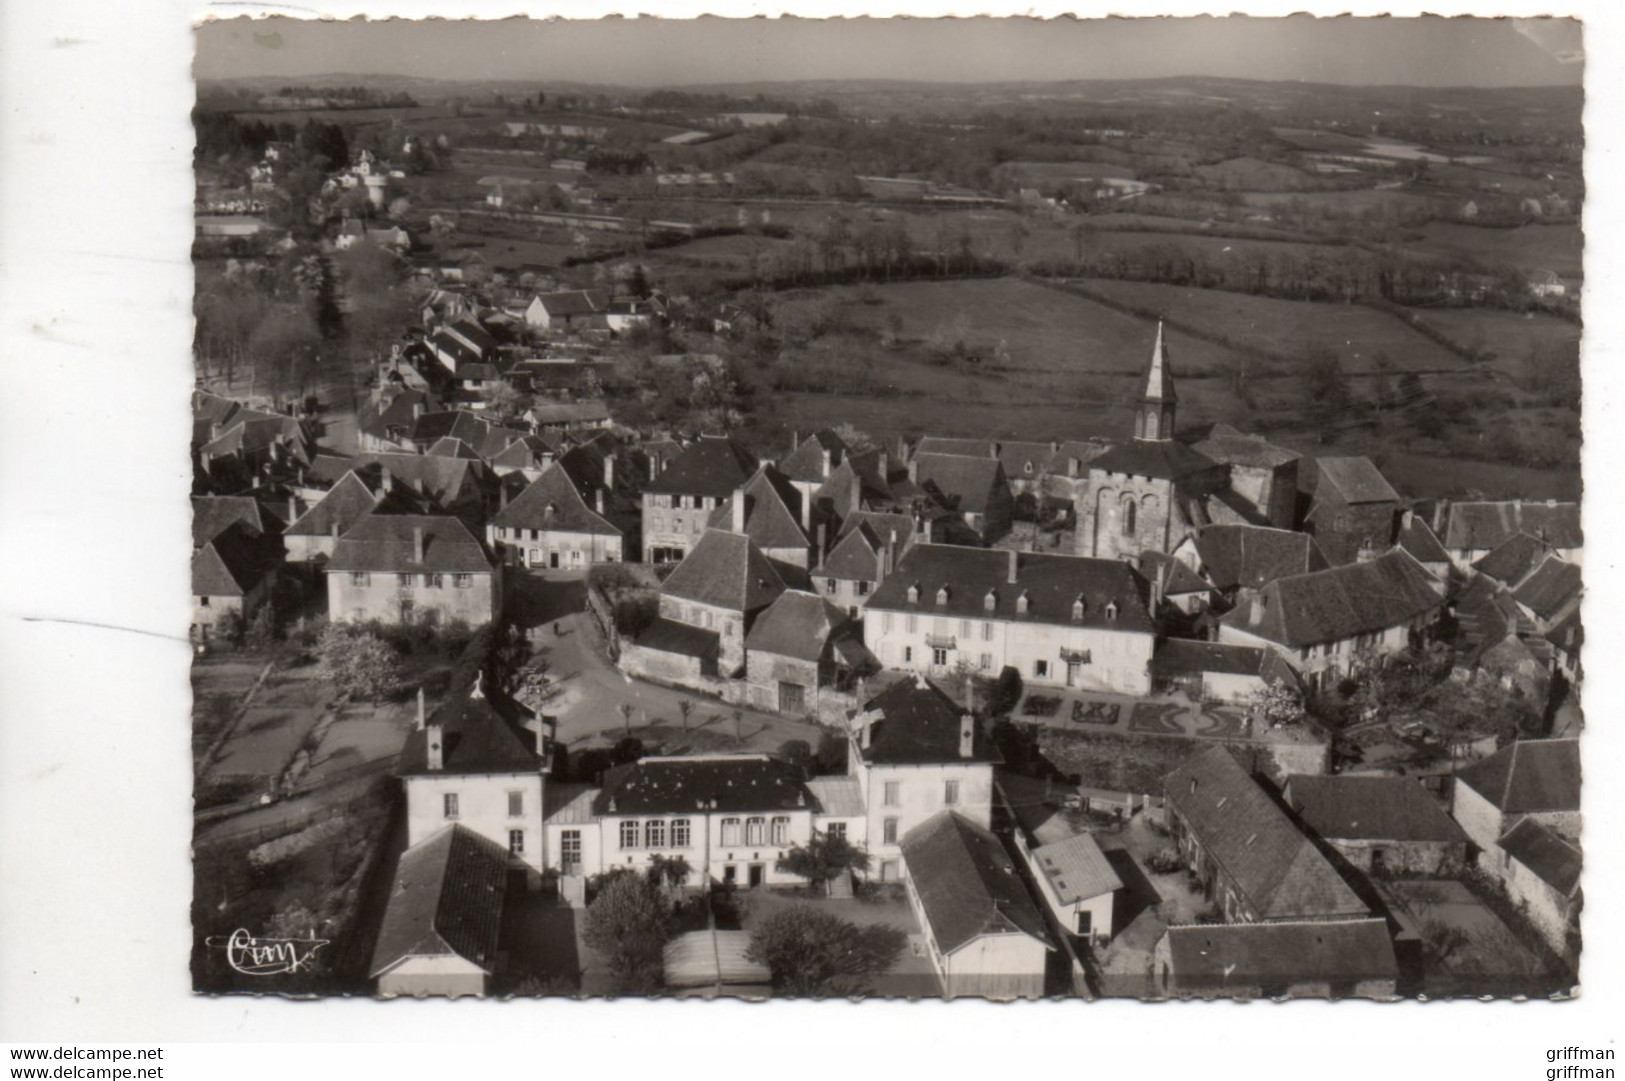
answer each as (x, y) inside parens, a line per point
(1077, 869)
(712, 958)
(1370, 808)
(1240, 957)
(967, 885)
(1530, 776)
(446, 899)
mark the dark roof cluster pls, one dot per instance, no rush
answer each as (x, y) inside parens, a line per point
(727, 571)
(1528, 777)
(713, 465)
(913, 723)
(1370, 808)
(1238, 958)
(1251, 556)
(1331, 605)
(480, 732)
(722, 783)
(1479, 526)
(410, 544)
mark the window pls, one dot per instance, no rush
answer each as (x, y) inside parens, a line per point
(885, 622)
(516, 842)
(449, 803)
(781, 830)
(950, 793)
(888, 831)
(434, 581)
(730, 832)
(360, 578)
(890, 791)
(863, 589)
(516, 804)
(462, 581)
(939, 657)
(679, 833)
(852, 611)
(654, 834)
(964, 628)
(677, 523)
(835, 830)
(908, 654)
(989, 601)
(1040, 669)
(911, 623)
(1026, 467)
(831, 586)
(942, 595)
(985, 662)
(203, 602)
(404, 581)
(570, 850)
(987, 632)
(1129, 511)
(629, 835)
(755, 831)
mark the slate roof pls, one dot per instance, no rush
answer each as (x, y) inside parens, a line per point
(451, 447)
(1273, 865)
(970, 485)
(344, 504)
(1554, 860)
(213, 514)
(1482, 526)
(798, 625)
(1355, 480)
(967, 885)
(398, 413)
(1180, 578)
(670, 636)
(1370, 808)
(772, 508)
(1530, 776)
(593, 411)
(718, 783)
(714, 465)
(1248, 451)
(1252, 556)
(806, 462)
(526, 452)
(855, 557)
(228, 564)
(725, 570)
(383, 543)
(446, 899)
(1051, 583)
(881, 524)
(1512, 559)
(1550, 588)
(481, 732)
(1186, 656)
(919, 725)
(1076, 868)
(1331, 605)
(1240, 957)
(1163, 459)
(444, 480)
(1418, 538)
(552, 503)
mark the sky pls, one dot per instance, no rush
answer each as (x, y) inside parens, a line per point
(655, 52)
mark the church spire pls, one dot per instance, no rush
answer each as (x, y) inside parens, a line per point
(1154, 418)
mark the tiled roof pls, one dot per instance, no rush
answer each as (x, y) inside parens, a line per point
(772, 508)
(552, 503)
(855, 557)
(837, 797)
(798, 625)
(1482, 526)
(713, 466)
(1273, 865)
(1550, 589)
(970, 485)
(1246, 450)
(720, 783)
(1051, 583)
(919, 725)
(1512, 559)
(1164, 459)
(446, 899)
(213, 514)
(344, 504)
(384, 543)
(967, 885)
(1418, 538)
(228, 565)
(1370, 808)
(1213, 958)
(1356, 480)
(1076, 868)
(1530, 776)
(807, 461)
(1252, 556)
(1331, 605)
(480, 733)
(725, 570)
(1554, 860)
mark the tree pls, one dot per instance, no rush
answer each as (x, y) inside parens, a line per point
(811, 952)
(503, 403)
(628, 923)
(858, 440)
(827, 856)
(287, 342)
(626, 717)
(357, 663)
(685, 707)
(1279, 703)
(262, 631)
(797, 753)
(831, 756)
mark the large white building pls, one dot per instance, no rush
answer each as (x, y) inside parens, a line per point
(1062, 621)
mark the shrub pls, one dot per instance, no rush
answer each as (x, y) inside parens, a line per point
(1165, 861)
(812, 952)
(633, 615)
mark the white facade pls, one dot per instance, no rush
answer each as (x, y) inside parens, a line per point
(555, 549)
(439, 976)
(362, 596)
(1009, 965)
(900, 797)
(502, 807)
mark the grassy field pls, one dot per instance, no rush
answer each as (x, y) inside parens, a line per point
(1557, 248)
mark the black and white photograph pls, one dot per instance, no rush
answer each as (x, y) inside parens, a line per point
(674, 514)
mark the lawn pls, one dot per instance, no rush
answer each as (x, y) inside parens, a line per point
(1512, 337)
(1557, 248)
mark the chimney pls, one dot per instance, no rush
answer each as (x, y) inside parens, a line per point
(970, 693)
(422, 714)
(806, 510)
(1255, 613)
(854, 494)
(914, 472)
(293, 508)
(883, 464)
(739, 510)
(891, 553)
(433, 738)
(866, 735)
(417, 544)
(386, 479)
(334, 530)
(609, 471)
(795, 439)
(993, 450)
(967, 735)
(654, 466)
(821, 542)
(600, 501)
(1010, 573)
(502, 495)
(417, 409)
(824, 463)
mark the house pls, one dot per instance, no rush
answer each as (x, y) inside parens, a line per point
(913, 753)
(212, 515)
(1380, 825)
(974, 488)
(1537, 779)
(1148, 494)
(1236, 557)
(231, 577)
(567, 310)
(551, 525)
(442, 925)
(984, 935)
(1540, 869)
(1471, 530)
(866, 551)
(312, 536)
(1417, 538)
(1544, 283)
(718, 590)
(477, 761)
(1219, 672)
(774, 514)
(1328, 624)
(410, 568)
(1078, 884)
(1354, 510)
(1291, 959)
(811, 461)
(569, 416)
(1263, 475)
(677, 504)
(802, 655)
(1250, 858)
(386, 420)
(1549, 593)
(1058, 620)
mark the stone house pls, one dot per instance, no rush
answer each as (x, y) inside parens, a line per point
(774, 514)
(1470, 530)
(975, 488)
(1380, 825)
(802, 656)
(1263, 476)
(867, 550)
(231, 575)
(311, 537)
(411, 568)
(679, 501)
(1540, 869)
(1288, 959)
(550, 525)
(1354, 511)
(720, 589)
(1538, 779)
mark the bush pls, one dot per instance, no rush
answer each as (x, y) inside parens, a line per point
(1165, 861)
(634, 615)
(1005, 692)
(629, 922)
(797, 753)
(813, 952)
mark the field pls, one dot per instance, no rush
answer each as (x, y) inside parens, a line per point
(1557, 248)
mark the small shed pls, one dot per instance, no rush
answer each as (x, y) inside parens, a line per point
(712, 962)
(1079, 885)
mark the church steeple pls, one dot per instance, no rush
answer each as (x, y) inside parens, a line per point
(1155, 416)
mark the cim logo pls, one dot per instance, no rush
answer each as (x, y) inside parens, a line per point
(254, 956)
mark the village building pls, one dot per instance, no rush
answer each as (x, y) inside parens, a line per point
(1251, 860)
(412, 568)
(1549, 593)
(442, 925)
(1178, 594)
(984, 935)
(975, 488)
(1290, 959)
(1079, 885)
(1380, 825)
(551, 526)
(1535, 779)
(1354, 511)
(776, 516)
(708, 604)
(679, 501)
(231, 578)
(866, 551)
(569, 310)
(914, 752)
(1058, 620)
(1262, 475)
(811, 461)
(1329, 624)
(1423, 544)
(1236, 557)
(1471, 530)
(803, 656)
(1540, 869)
(311, 537)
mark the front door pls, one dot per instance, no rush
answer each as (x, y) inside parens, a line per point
(1085, 923)
(553, 560)
(792, 698)
(730, 874)
(1072, 668)
(758, 874)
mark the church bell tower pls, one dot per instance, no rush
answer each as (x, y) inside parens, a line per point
(1154, 419)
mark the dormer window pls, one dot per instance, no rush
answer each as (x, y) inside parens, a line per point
(914, 594)
(1111, 610)
(990, 601)
(1077, 609)
(942, 595)
(1022, 604)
